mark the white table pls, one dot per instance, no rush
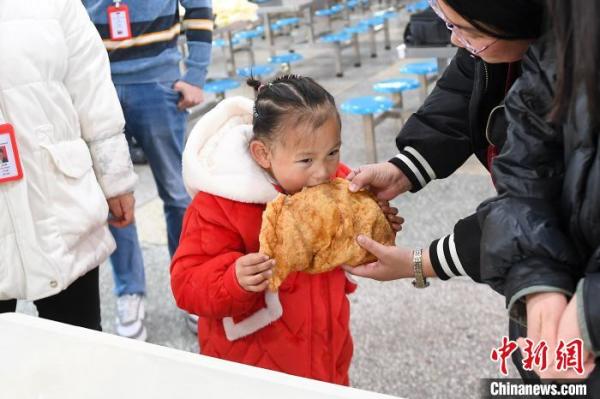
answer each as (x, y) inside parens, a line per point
(271, 8)
(44, 359)
(441, 53)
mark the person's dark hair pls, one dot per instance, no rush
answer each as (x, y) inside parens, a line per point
(503, 19)
(577, 35)
(289, 100)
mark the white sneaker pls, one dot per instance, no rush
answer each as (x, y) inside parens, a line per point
(130, 316)
(191, 320)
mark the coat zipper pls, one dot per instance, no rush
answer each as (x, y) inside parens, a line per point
(485, 70)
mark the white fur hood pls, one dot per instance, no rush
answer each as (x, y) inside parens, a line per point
(216, 159)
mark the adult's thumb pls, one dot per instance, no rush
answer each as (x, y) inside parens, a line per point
(361, 179)
(371, 245)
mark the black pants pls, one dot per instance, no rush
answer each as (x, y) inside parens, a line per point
(78, 305)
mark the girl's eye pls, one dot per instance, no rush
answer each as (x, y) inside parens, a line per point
(334, 152)
(307, 160)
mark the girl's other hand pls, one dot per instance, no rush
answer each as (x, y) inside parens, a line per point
(253, 271)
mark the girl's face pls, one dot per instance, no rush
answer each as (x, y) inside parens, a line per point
(488, 48)
(301, 159)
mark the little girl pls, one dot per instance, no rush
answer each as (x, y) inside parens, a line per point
(238, 157)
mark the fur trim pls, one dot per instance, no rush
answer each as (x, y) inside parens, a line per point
(258, 320)
(216, 159)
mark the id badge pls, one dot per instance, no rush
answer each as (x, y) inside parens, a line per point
(119, 24)
(10, 163)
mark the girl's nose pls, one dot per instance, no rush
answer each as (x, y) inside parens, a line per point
(323, 176)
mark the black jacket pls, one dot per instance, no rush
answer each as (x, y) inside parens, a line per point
(542, 232)
(446, 130)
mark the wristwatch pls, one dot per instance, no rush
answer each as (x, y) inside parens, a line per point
(420, 281)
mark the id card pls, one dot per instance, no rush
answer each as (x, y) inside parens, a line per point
(119, 24)
(10, 163)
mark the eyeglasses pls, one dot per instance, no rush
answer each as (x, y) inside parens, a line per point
(457, 30)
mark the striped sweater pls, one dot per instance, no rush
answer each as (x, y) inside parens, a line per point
(152, 55)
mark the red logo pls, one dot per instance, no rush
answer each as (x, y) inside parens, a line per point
(569, 355)
(502, 353)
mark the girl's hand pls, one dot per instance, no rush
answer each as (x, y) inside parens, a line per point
(253, 271)
(391, 214)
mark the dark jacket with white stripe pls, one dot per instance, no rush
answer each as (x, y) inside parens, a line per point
(446, 130)
(152, 55)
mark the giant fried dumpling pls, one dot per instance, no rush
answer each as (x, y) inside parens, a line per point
(315, 230)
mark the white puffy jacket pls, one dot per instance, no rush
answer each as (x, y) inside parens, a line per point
(56, 90)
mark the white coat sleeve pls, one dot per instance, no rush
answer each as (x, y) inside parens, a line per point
(90, 86)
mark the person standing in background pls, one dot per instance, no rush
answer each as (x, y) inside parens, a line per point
(141, 39)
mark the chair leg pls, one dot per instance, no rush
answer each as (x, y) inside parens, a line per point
(372, 45)
(386, 34)
(398, 102)
(251, 52)
(311, 25)
(369, 130)
(356, 50)
(424, 86)
(339, 71)
(269, 34)
(231, 53)
(399, 107)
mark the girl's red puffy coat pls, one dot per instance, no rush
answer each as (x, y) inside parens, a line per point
(310, 339)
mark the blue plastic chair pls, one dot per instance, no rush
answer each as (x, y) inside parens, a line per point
(277, 25)
(387, 14)
(223, 43)
(352, 4)
(417, 6)
(342, 36)
(337, 8)
(421, 69)
(340, 40)
(372, 24)
(286, 60)
(356, 29)
(367, 106)
(247, 34)
(396, 85)
(373, 21)
(220, 86)
(255, 71)
(331, 11)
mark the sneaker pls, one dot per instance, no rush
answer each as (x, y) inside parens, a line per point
(130, 316)
(191, 320)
